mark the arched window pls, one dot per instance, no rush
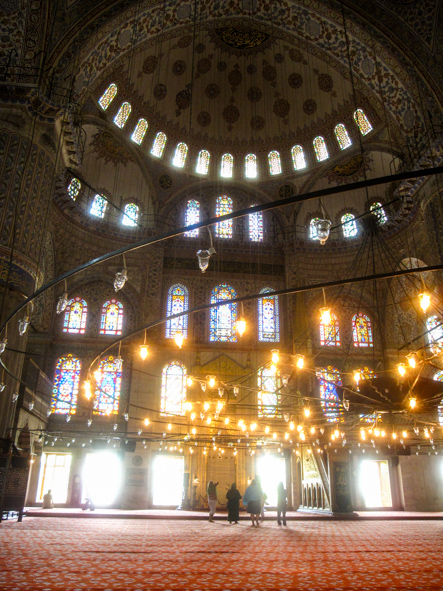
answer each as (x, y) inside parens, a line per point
(269, 397)
(223, 318)
(107, 393)
(313, 235)
(227, 165)
(379, 212)
(321, 151)
(251, 166)
(274, 162)
(75, 316)
(203, 162)
(223, 206)
(298, 158)
(74, 188)
(329, 400)
(268, 317)
(362, 122)
(173, 393)
(139, 132)
(65, 390)
(434, 326)
(180, 155)
(98, 206)
(122, 115)
(130, 215)
(192, 216)
(330, 334)
(361, 330)
(159, 144)
(177, 302)
(108, 96)
(349, 225)
(112, 317)
(255, 226)
(342, 135)
(439, 377)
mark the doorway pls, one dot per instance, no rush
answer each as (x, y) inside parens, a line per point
(54, 476)
(167, 480)
(102, 478)
(272, 470)
(374, 483)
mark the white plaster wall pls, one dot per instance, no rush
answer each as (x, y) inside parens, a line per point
(421, 482)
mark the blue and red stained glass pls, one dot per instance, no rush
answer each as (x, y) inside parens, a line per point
(268, 317)
(223, 318)
(66, 381)
(192, 216)
(107, 393)
(177, 302)
(256, 226)
(112, 317)
(268, 396)
(223, 206)
(330, 334)
(361, 330)
(75, 316)
(329, 400)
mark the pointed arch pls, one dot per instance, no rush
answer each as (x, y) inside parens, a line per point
(192, 216)
(227, 166)
(362, 330)
(139, 132)
(74, 188)
(173, 392)
(349, 226)
(321, 151)
(268, 396)
(362, 121)
(268, 317)
(274, 162)
(177, 302)
(108, 96)
(330, 334)
(181, 152)
(107, 393)
(329, 379)
(203, 159)
(342, 135)
(251, 166)
(130, 214)
(122, 115)
(159, 144)
(66, 382)
(98, 206)
(223, 206)
(76, 312)
(223, 318)
(298, 158)
(112, 317)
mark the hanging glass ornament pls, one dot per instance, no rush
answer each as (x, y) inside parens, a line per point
(2, 386)
(203, 259)
(89, 422)
(285, 379)
(118, 363)
(3, 344)
(323, 227)
(120, 279)
(68, 418)
(23, 325)
(62, 303)
(31, 405)
(126, 416)
(15, 397)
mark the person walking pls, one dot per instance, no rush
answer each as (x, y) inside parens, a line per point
(281, 503)
(252, 501)
(212, 498)
(233, 504)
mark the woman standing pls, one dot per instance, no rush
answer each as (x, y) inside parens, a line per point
(233, 504)
(212, 498)
(281, 503)
(252, 501)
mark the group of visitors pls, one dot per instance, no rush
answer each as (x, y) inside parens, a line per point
(253, 499)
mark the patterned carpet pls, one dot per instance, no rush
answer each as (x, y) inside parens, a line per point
(118, 554)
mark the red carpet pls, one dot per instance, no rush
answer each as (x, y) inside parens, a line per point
(117, 554)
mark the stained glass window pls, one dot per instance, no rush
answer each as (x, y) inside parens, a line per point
(130, 215)
(378, 211)
(65, 390)
(329, 379)
(98, 206)
(223, 318)
(227, 165)
(361, 330)
(74, 188)
(75, 316)
(349, 225)
(268, 317)
(439, 377)
(112, 317)
(366, 373)
(251, 166)
(159, 144)
(139, 132)
(177, 302)
(203, 162)
(108, 96)
(223, 206)
(107, 393)
(342, 135)
(268, 395)
(180, 155)
(173, 393)
(313, 235)
(321, 151)
(192, 216)
(274, 162)
(362, 122)
(434, 327)
(122, 115)
(330, 334)
(298, 158)
(256, 226)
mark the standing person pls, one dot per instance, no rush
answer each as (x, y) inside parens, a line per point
(281, 503)
(212, 498)
(252, 500)
(233, 504)
(264, 496)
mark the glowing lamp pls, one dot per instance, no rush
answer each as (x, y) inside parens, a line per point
(300, 361)
(193, 430)
(312, 430)
(412, 402)
(425, 300)
(206, 406)
(87, 389)
(236, 390)
(286, 436)
(302, 436)
(274, 436)
(275, 357)
(208, 420)
(189, 381)
(144, 351)
(146, 422)
(404, 434)
(325, 315)
(169, 426)
(299, 428)
(412, 360)
(363, 435)
(253, 426)
(307, 412)
(273, 369)
(227, 421)
(291, 426)
(192, 416)
(266, 430)
(211, 381)
(241, 326)
(401, 368)
(179, 339)
(357, 377)
(97, 375)
(285, 379)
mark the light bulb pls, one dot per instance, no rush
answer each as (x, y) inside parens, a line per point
(206, 406)
(425, 300)
(120, 279)
(189, 381)
(307, 411)
(191, 451)
(357, 377)
(291, 426)
(275, 357)
(266, 430)
(193, 430)
(302, 436)
(376, 432)
(323, 227)
(227, 421)
(404, 434)
(394, 435)
(312, 430)
(23, 325)
(179, 339)
(253, 426)
(144, 351)
(299, 428)
(62, 303)
(412, 402)
(300, 361)
(274, 436)
(211, 381)
(241, 326)
(286, 436)
(87, 389)
(169, 426)
(337, 433)
(285, 379)
(325, 315)
(3, 344)
(146, 421)
(412, 360)
(209, 420)
(401, 369)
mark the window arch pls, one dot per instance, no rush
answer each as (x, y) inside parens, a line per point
(313, 234)
(378, 210)
(74, 188)
(173, 393)
(255, 226)
(268, 317)
(350, 228)
(223, 206)
(362, 121)
(159, 144)
(329, 400)
(108, 96)
(66, 381)
(98, 206)
(75, 316)
(362, 330)
(268, 395)
(192, 216)
(107, 393)
(139, 132)
(330, 334)
(203, 159)
(130, 214)
(298, 158)
(434, 327)
(251, 166)
(342, 135)
(112, 317)
(321, 151)
(122, 115)
(177, 302)
(227, 165)
(223, 318)
(439, 378)
(274, 162)
(180, 155)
